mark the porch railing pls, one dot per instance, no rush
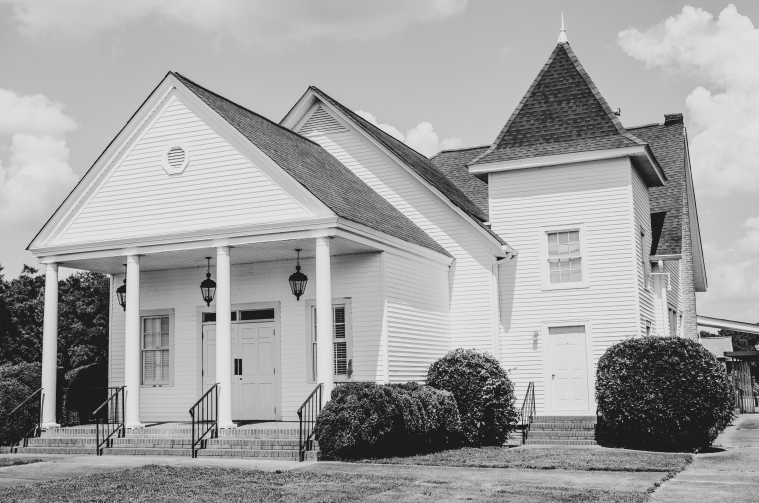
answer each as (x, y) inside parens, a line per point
(528, 412)
(24, 421)
(307, 417)
(205, 419)
(109, 419)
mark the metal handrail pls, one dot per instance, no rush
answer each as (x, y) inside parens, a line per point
(114, 421)
(207, 413)
(528, 411)
(24, 407)
(311, 409)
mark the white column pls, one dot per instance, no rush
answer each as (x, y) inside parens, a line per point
(132, 347)
(325, 355)
(664, 304)
(50, 347)
(224, 336)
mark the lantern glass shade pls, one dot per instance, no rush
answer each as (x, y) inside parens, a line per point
(208, 286)
(121, 292)
(298, 280)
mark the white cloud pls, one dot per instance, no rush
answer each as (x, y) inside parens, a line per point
(421, 137)
(722, 54)
(37, 176)
(248, 22)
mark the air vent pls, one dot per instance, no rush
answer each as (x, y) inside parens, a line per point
(321, 122)
(176, 157)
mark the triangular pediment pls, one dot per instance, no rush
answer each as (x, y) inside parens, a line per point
(178, 172)
(562, 112)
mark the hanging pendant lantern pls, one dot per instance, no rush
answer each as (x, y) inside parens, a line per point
(208, 286)
(298, 280)
(121, 291)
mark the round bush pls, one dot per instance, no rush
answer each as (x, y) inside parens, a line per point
(368, 420)
(483, 391)
(659, 393)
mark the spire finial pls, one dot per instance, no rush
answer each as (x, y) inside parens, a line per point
(563, 32)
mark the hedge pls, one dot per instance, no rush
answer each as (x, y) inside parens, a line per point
(369, 420)
(483, 391)
(659, 393)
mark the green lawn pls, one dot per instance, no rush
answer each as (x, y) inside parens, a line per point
(155, 484)
(615, 460)
(17, 461)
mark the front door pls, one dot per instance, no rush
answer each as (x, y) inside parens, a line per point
(569, 369)
(253, 369)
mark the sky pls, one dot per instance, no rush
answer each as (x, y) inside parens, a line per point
(435, 73)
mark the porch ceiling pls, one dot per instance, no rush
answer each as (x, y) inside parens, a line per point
(242, 254)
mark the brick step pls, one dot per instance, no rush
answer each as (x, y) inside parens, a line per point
(562, 434)
(531, 441)
(168, 443)
(242, 434)
(564, 418)
(563, 426)
(57, 450)
(281, 454)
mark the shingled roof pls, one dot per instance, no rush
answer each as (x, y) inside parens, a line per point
(667, 141)
(453, 164)
(416, 161)
(318, 171)
(562, 112)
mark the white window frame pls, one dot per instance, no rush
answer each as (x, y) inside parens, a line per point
(155, 314)
(311, 343)
(545, 268)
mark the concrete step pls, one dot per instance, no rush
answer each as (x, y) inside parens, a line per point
(562, 434)
(531, 441)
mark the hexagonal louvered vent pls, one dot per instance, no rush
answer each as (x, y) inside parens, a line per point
(175, 158)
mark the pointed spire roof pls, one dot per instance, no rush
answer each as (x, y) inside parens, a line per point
(563, 32)
(562, 112)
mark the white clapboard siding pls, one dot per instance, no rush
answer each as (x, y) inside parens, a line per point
(353, 276)
(471, 301)
(597, 194)
(218, 188)
(643, 221)
(321, 122)
(418, 319)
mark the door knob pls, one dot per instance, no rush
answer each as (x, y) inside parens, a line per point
(553, 375)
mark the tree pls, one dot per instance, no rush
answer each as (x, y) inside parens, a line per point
(25, 303)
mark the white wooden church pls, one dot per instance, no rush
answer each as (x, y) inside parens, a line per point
(567, 234)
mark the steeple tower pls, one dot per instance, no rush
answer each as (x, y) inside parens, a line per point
(563, 32)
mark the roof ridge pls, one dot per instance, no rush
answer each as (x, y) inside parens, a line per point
(645, 125)
(289, 131)
(460, 149)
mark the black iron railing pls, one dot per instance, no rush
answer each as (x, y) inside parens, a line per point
(109, 419)
(307, 416)
(528, 411)
(24, 421)
(205, 419)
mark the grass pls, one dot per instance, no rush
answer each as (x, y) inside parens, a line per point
(156, 484)
(613, 460)
(5, 462)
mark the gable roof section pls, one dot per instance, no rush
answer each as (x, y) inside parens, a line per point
(562, 112)
(319, 172)
(453, 164)
(416, 161)
(667, 142)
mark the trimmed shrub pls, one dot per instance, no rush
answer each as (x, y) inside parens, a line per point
(367, 420)
(17, 382)
(659, 393)
(483, 391)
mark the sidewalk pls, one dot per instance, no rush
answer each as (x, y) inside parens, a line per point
(730, 475)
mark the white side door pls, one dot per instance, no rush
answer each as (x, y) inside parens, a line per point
(569, 368)
(256, 384)
(209, 356)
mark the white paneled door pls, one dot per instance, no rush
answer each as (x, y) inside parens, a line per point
(569, 368)
(254, 389)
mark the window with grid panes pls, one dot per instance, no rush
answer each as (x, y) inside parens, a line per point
(564, 257)
(339, 341)
(155, 350)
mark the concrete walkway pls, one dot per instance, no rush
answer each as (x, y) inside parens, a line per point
(55, 466)
(729, 475)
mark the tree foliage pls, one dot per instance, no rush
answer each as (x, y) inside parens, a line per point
(82, 318)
